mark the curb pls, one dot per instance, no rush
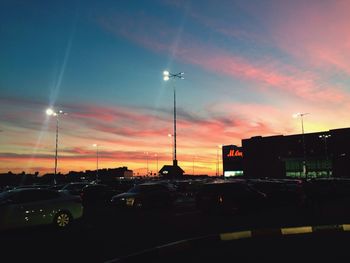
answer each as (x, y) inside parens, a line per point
(184, 245)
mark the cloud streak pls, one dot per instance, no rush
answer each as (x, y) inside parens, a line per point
(270, 74)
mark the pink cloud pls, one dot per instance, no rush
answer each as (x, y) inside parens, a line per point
(267, 73)
(318, 34)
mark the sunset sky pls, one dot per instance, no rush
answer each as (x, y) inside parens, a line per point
(249, 65)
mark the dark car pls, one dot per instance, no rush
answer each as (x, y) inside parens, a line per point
(146, 195)
(74, 188)
(281, 194)
(97, 194)
(328, 197)
(231, 197)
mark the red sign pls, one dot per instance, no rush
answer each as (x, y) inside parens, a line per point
(235, 153)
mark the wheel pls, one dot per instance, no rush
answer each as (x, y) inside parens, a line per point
(63, 219)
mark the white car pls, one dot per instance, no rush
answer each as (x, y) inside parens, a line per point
(35, 206)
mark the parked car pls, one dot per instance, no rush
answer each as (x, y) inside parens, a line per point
(187, 188)
(328, 197)
(32, 186)
(231, 197)
(281, 194)
(57, 186)
(146, 195)
(97, 194)
(74, 188)
(35, 206)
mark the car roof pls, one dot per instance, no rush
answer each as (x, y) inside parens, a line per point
(28, 189)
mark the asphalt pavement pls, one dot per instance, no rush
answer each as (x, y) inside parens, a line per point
(105, 234)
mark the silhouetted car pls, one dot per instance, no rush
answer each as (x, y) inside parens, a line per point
(328, 197)
(97, 194)
(147, 195)
(232, 197)
(74, 188)
(188, 188)
(281, 194)
(57, 186)
(35, 206)
(32, 186)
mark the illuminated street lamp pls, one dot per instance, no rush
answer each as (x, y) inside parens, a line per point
(166, 76)
(301, 115)
(96, 145)
(51, 112)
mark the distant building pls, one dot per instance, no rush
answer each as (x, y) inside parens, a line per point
(319, 154)
(232, 160)
(112, 173)
(171, 171)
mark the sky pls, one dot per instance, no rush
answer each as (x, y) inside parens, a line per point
(249, 66)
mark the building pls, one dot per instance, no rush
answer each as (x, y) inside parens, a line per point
(171, 171)
(232, 160)
(320, 154)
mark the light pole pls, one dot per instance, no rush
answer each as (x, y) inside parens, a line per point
(51, 112)
(96, 145)
(166, 76)
(172, 146)
(218, 160)
(324, 137)
(217, 153)
(156, 155)
(147, 161)
(301, 115)
(193, 164)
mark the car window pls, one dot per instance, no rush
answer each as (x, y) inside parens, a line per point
(33, 196)
(26, 196)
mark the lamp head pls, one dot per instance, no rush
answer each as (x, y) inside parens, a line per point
(50, 112)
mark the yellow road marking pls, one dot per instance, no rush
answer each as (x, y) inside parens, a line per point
(235, 235)
(296, 230)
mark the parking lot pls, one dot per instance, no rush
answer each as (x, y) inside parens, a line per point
(106, 232)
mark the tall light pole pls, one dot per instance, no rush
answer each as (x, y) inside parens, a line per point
(166, 76)
(51, 112)
(96, 145)
(156, 155)
(172, 146)
(219, 148)
(193, 164)
(147, 161)
(218, 160)
(301, 115)
(324, 137)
